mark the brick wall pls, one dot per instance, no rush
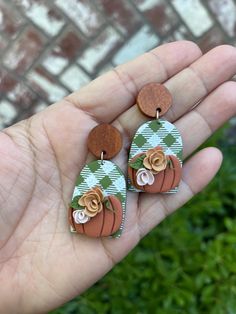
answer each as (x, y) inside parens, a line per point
(50, 48)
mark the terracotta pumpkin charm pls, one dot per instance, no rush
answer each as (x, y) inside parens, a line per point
(105, 223)
(144, 176)
(155, 159)
(98, 203)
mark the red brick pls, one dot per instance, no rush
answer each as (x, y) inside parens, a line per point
(16, 91)
(225, 12)
(48, 18)
(179, 34)
(65, 50)
(70, 45)
(24, 51)
(7, 82)
(22, 96)
(45, 85)
(37, 106)
(100, 49)
(83, 13)
(121, 14)
(212, 39)
(159, 13)
(10, 22)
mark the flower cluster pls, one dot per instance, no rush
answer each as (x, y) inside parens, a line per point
(153, 162)
(91, 203)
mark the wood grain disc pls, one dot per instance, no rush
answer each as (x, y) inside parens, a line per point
(153, 97)
(104, 138)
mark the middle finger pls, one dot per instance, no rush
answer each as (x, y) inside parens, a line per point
(189, 86)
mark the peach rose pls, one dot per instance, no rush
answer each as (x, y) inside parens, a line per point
(92, 202)
(155, 160)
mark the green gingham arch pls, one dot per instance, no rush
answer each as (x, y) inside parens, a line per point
(108, 177)
(156, 133)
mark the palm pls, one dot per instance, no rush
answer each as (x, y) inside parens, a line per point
(42, 263)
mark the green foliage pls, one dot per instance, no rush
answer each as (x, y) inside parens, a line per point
(107, 204)
(138, 163)
(185, 265)
(74, 204)
(170, 164)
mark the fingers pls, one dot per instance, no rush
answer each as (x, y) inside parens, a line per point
(200, 78)
(154, 208)
(190, 85)
(199, 124)
(108, 96)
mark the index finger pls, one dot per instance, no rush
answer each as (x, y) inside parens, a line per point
(114, 92)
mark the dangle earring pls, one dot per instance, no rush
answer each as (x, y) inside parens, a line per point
(155, 159)
(98, 203)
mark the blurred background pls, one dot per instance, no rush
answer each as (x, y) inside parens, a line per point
(50, 48)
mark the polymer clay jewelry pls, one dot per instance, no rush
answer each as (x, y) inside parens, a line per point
(155, 159)
(98, 203)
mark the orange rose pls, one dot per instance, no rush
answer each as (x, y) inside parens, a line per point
(155, 160)
(92, 202)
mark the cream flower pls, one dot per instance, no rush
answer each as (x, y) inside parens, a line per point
(144, 177)
(80, 217)
(155, 160)
(92, 202)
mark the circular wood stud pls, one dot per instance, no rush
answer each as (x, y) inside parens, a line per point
(104, 138)
(153, 97)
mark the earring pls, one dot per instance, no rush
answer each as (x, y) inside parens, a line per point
(98, 203)
(155, 159)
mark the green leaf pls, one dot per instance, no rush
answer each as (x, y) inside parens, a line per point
(74, 204)
(108, 204)
(138, 163)
(170, 164)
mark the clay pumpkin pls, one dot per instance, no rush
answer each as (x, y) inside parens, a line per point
(104, 224)
(106, 176)
(152, 134)
(163, 181)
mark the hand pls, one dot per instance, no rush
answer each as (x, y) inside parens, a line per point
(42, 264)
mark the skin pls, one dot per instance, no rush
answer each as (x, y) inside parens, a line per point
(42, 264)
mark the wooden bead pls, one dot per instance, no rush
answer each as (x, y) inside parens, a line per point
(153, 97)
(104, 138)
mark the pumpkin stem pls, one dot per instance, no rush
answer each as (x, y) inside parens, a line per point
(170, 164)
(108, 204)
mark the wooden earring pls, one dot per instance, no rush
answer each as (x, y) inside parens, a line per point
(98, 203)
(155, 159)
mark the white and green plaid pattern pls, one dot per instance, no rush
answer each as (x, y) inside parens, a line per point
(156, 133)
(108, 177)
